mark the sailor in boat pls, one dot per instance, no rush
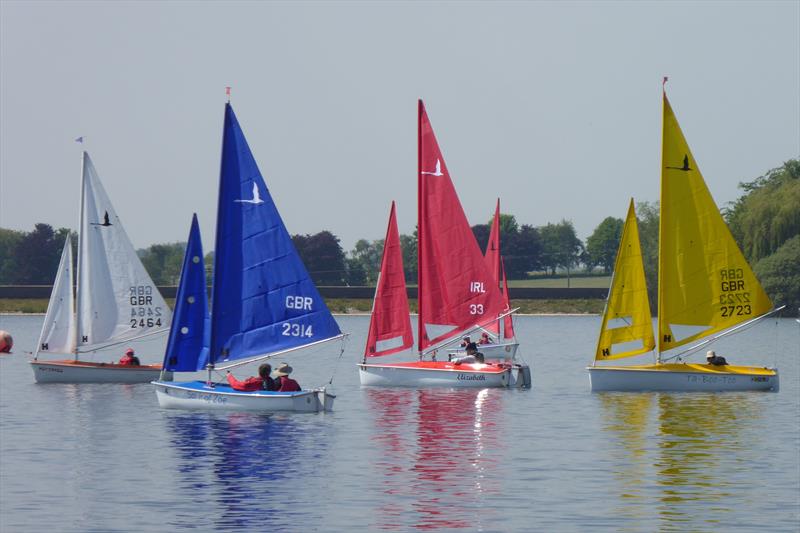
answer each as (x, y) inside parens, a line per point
(473, 355)
(263, 381)
(713, 359)
(465, 341)
(484, 339)
(129, 359)
(287, 384)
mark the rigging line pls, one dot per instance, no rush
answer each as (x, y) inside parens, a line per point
(338, 360)
(741, 327)
(455, 337)
(123, 341)
(281, 352)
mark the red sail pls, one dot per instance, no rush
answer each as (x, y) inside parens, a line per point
(492, 257)
(508, 322)
(456, 289)
(390, 320)
(492, 254)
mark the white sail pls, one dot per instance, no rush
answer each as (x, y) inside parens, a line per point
(58, 330)
(117, 300)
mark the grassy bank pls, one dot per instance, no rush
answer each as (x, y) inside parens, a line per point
(342, 305)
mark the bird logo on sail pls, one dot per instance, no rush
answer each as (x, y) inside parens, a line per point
(438, 171)
(105, 222)
(685, 167)
(256, 197)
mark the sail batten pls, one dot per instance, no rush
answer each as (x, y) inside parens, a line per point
(627, 301)
(704, 279)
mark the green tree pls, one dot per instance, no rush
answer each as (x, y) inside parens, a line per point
(780, 274)
(769, 212)
(602, 244)
(37, 255)
(522, 251)
(366, 258)
(408, 243)
(163, 262)
(561, 247)
(323, 257)
(9, 239)
(647, 215)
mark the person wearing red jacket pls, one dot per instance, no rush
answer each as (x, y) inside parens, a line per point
(129, 359)
(287, 384)
(261, 382)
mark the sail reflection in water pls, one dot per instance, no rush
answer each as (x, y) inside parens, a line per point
(242, 465)
(456, 443)
(680, 462)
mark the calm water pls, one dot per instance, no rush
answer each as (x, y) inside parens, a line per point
(107, 458)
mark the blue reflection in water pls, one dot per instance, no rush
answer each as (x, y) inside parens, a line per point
(242, 464)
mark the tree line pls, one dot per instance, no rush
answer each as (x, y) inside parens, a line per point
(765, 221)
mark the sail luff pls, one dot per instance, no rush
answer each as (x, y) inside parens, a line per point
(705, 283)
(421, 236)
(81, 244)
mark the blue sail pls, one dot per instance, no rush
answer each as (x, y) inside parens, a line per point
(263, 298)
(187, 349)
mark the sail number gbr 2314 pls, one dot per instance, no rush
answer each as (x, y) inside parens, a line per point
(298, 303)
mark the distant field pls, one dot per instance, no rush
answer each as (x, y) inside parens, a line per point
(601, 282)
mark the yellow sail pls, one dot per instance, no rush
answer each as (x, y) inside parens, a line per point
(704, 282)
(627, 300)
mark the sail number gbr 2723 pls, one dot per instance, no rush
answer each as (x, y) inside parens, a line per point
(734, 298)
(298, 303)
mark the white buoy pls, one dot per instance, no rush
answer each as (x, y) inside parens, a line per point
(6, 341)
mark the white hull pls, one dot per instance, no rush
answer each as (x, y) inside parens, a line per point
(633, 380)
(67, 372)
(506, 351)
(195, 395)
(399, 376)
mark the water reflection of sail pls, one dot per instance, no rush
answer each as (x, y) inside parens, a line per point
(626, 418)
(245, 461)
(456, 444)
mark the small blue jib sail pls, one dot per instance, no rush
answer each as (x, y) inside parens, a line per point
(187, 348)
(263, 298)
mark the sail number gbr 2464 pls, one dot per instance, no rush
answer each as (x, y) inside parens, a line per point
(143, 313)
(298, 303)
(734, 299)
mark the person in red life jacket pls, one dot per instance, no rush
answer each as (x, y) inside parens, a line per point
(129, 359)
(287, 384)
(484, 339)
(262, 381)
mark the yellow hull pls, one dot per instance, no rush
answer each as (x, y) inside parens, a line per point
(683, 377)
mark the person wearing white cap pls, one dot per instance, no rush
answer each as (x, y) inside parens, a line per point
(713, 359)
(286, 383)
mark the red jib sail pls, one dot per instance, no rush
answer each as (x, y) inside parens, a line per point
(508, 321)
(492, 257)
(456, 288)
(390, 323)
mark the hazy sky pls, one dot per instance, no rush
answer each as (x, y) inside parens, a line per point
(553, 107)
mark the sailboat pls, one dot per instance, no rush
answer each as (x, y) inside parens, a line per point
(117, 302)
(706, 289)
(263, 303)
(457, 293)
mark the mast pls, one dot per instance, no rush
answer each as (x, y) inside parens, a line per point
(661, 223)
(78, 325)
(420, 232)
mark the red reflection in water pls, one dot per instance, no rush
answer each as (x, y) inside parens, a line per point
(442, 468)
